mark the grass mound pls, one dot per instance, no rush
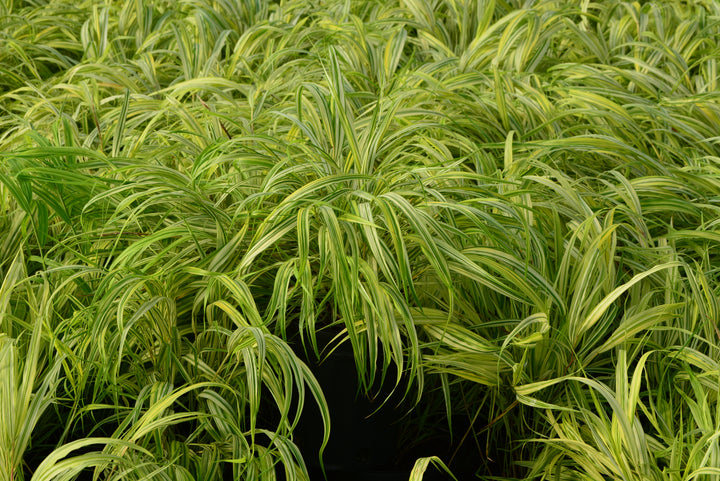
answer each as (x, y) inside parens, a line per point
(507, 214)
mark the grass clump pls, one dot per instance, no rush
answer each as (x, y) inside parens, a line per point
(507, 210)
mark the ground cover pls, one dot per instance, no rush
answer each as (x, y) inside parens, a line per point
(504, 214)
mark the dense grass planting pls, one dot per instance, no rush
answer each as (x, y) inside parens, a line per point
(510, 212)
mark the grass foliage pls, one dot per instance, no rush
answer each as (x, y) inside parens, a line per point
(509, 210)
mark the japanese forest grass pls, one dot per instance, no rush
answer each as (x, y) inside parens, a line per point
(508, 210)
